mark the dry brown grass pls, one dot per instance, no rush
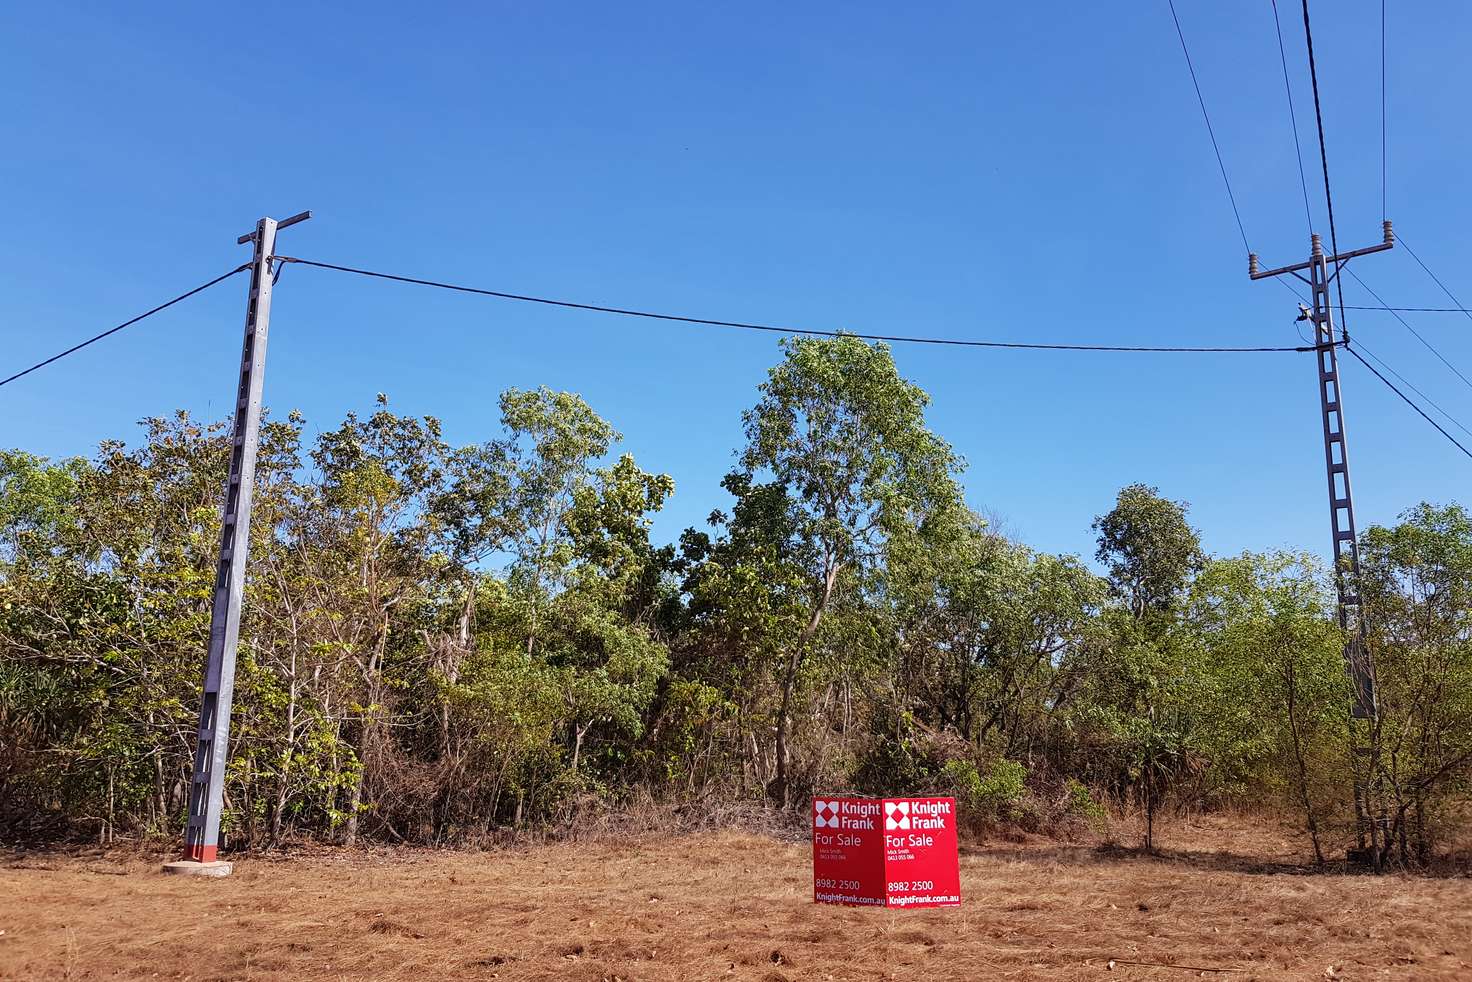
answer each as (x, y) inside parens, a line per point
(730, 905)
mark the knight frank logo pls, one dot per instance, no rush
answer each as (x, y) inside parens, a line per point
(896, 815)
(825, 814)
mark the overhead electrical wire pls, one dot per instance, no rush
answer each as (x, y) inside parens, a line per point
(1313, 72)
(1417, 334)
(1209, 131)
(1334, 241)
(1383, 209)
(777, 329)
(1384, 307)
(1407, 400)
(1459, 308)
(1333, 237)
(127, 323)
(1293, 118)
(1413, 310)
(1359, 344)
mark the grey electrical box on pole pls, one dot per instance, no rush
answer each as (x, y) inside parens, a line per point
(211, 752)
(1336, 456)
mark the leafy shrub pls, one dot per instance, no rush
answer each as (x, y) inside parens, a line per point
(999, 793)
(1002, 788)
(1079, 802)
(963, 780)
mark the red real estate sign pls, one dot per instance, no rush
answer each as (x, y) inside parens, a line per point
(886, 852)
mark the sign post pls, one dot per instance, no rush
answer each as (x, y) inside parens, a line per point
(885, 852)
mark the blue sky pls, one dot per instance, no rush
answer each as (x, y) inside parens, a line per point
(1014, 172)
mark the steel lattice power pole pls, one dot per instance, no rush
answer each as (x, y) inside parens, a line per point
(1336, 455)
(206, 788)
(1345, 540)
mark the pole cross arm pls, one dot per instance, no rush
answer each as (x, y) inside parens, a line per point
(1254, 272)
(284, 223)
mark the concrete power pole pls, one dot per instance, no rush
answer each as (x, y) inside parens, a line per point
(212, 750)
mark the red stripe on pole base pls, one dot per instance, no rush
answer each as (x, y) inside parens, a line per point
(202, 854)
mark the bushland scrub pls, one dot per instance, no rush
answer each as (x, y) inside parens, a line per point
(452, 644)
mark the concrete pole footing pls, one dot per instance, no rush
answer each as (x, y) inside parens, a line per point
(188, 867)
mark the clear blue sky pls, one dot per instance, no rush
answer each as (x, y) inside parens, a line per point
(988, 171)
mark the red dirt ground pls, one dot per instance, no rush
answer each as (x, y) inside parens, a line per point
(728, 905)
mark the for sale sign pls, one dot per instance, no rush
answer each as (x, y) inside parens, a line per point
(921, 868)
(848, 851)
(895, 852)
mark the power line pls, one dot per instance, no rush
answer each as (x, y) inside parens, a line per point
(1406, 324)
(1209, 131)
(1413, 310)
(1313, 73)
(1383, 209)
(1408, 401)
(1359, 343)
(1386, 307)
(682, 319)
(127, 323)
(1293, 118)
(1464, 310)
(1385, 365)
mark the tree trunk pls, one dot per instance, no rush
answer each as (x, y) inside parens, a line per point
(779, 786)
(355, 798)
(1149, 812)
(778, 790)
(283, 783)
(365, 753)
(577, 744)
(1308, 809)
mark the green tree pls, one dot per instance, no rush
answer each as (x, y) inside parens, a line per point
(1280, 701)
(1147, 698)
(746, 598)
(583, 586)
(440, 641)
(1151, 551)
(845, 437)
(992, 632)
(366, 529)
(1417, 589)
(102, 630)
(37, 498)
